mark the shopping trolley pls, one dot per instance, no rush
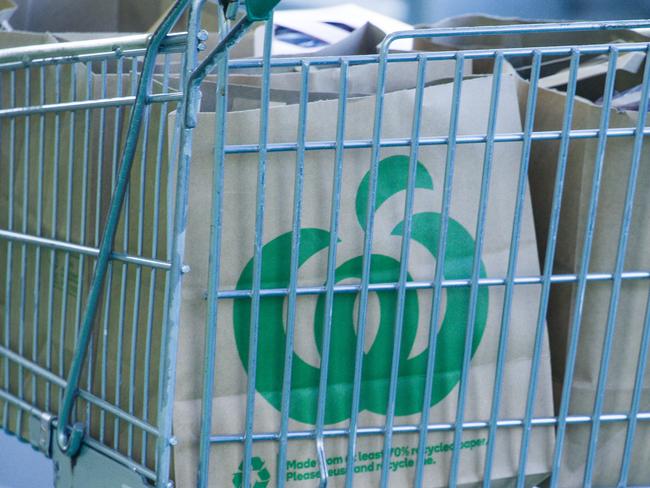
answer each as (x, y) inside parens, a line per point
(95, 178)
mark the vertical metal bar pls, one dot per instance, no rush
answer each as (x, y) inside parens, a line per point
(124, 277)
(162, 130)
(69, 210)
(584, 265)
(10, 226)
(257, 260)
(403, 272)
(104, 353)
(549, 259)
(96, 237)
(6, 315)
(506, 315)
(645, 339)
(439, 266)
(331, 271)
(293, 280)
(173, 299)
(365, 273)
(39, 231)
(636, 398)
(100, 146)
(53, 234)
(174, 161)
(82, 236)
(23, 251)
(618, 270)
(109, 278)
(214, 268)
(140, 205)
(172, 169)
(68, 228)
(476, 270)
(71, 442)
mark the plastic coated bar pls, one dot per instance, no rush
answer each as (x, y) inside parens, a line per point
(584, 267)
(331, 274)
(70, 442)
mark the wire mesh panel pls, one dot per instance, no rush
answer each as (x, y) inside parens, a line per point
(64, 120)
(420, 267)
(340, 348)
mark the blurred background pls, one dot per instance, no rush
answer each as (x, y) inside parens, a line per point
(423, 11)
(60, 15)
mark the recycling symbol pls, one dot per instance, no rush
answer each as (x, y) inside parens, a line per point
(259, 478)
(376, 370)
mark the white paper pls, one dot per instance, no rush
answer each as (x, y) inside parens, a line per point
(327, 27)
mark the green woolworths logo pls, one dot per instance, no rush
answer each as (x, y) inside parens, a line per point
(276, 259)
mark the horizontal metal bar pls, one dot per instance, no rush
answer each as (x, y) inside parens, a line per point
(89, 397)
(120, 458)
(545, 28)
(79, 249)
(335, 61)
(436, 141)
(22, 404)
(441, 427)
(29, 54)
(425, 285)
(87, 105)
(92, 443)
(80, 59)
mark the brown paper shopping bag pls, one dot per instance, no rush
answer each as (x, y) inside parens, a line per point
(239, 207)
(43, 171)
(630, 318)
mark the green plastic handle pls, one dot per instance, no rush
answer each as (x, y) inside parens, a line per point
(260, 9)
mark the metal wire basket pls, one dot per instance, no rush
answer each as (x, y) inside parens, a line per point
(97, 203)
